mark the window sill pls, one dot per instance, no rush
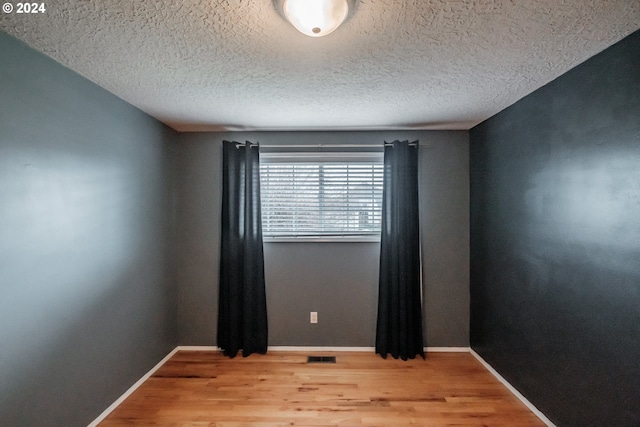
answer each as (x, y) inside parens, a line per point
(322, 239)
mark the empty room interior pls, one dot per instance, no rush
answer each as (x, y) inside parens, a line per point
(523, 121)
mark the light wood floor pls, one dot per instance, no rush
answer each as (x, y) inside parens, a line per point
(203, 388)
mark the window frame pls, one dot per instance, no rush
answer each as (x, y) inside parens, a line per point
(340, 157)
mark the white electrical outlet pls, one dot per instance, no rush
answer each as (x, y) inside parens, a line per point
(313, 317)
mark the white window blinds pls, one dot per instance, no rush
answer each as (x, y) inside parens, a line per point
(310, 198)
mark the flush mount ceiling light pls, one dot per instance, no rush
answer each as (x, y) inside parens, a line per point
(315, 18)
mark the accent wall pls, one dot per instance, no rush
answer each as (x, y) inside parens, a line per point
(555, 242)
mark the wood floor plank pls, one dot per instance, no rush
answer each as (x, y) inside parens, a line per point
(206, 389)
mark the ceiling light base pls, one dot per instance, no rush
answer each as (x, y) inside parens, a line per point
(315, 18)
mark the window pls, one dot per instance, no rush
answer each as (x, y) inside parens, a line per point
(306, 196)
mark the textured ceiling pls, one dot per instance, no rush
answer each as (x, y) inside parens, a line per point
(394, 64)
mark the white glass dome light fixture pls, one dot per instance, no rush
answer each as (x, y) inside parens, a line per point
(316, 18)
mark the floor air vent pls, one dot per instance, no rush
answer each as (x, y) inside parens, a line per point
(321, 359)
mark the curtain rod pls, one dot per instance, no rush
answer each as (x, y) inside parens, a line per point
(320, 146)
(413, 144)
(247, 143)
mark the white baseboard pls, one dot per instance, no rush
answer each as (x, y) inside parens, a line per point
(365, 349)
(318, 348)
(298, 348)
(197, 348)
(131, 389)
(447, 349)
(513, 390)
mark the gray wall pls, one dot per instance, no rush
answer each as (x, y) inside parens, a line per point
(86, 295)
(555, 239)
(339, 280)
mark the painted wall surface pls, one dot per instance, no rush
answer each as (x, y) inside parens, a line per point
(339, 280)
(86, 294)
(555, 242)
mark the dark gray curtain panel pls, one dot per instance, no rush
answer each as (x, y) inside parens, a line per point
(399, 326)
(242, 306)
